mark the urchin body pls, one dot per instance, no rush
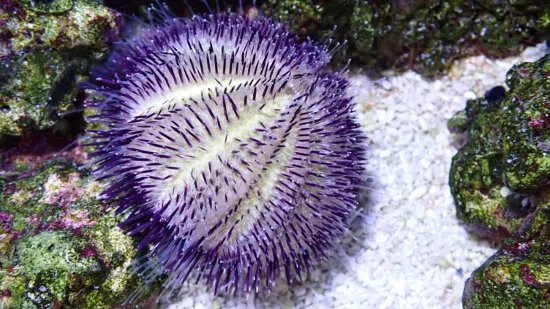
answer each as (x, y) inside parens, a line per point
(234, 154)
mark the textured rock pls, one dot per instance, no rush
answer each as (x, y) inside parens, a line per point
(60, 24)
(526, 126)
(59, 245)
(517, 276)
(46, 49)
(422, 35)
(499, 178)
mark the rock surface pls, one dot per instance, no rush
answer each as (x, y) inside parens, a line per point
(46, 49)
(499, 177)
(422, 35)
(499, 180)
(59, 245)
(517, 276)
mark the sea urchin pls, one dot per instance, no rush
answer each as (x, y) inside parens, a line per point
(235, 154)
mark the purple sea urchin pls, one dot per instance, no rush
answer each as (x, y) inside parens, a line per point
(235, 154)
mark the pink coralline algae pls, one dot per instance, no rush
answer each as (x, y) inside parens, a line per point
(66, 193)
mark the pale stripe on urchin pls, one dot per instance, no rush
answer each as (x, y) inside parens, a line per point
(236, 156)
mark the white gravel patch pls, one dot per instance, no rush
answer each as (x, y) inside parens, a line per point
(407, 249)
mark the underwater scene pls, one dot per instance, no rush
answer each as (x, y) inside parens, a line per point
(274, 154)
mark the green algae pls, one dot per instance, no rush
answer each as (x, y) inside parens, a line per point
(422, 35)
(60, 24)
(53, 6)
(498, 178)
(476, 177)
(61, 246)
(54, 265)
(46, 50)
(43, 85)
(517, 276)
(526, 123)
(499, 181)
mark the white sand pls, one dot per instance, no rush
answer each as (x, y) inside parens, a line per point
(408, 250)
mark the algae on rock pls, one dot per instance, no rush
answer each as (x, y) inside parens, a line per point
(39, 86)
(526, 127)
(517, 276)
(500, 182)
(499, 177)
(46, 49)
(66, 25)
(422, 35)
(60, 245)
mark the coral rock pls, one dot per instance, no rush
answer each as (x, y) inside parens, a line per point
(499, 178)
(46, 49)
(59, 245)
